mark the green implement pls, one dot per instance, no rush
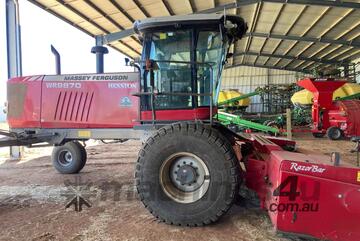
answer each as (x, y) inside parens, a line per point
(350, 97)
(227, 119)
(230, 101)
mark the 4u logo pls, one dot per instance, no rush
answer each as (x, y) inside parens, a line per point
(307, 191)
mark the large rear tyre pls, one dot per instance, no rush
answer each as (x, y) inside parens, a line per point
(187, 174)
(334, 133)
(69, 158)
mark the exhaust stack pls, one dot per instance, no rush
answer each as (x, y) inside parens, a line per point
(57, 60)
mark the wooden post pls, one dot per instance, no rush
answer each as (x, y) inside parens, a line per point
(288, 123)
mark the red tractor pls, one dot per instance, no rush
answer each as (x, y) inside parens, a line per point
(190, 167)
(337, 119)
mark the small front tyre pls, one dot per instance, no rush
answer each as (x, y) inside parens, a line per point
(334, 133)
(69, 158)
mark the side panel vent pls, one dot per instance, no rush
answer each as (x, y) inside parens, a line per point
(73, 106)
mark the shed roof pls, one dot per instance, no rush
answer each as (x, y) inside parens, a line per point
(297, 35)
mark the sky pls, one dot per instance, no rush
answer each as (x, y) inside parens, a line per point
(40, 29)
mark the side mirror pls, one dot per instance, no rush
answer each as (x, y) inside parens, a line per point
(127, 61)
(131, 63)
(230, 25)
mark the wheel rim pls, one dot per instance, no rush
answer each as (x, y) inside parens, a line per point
(336, 134)
(184, 177)
(65, 158)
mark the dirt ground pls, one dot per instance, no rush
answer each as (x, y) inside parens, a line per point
(33, 198)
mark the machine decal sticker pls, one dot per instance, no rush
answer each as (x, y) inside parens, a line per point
(131, 76)
(77, 77)
(358, 176)
(110, 77)
(125, 102)
(84, 134)
(313, 168)
(121, 85)
(61, 85)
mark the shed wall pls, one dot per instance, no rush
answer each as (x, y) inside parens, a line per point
(246, 79)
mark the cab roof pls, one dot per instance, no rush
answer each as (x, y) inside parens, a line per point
(178, 21)
(193, 19)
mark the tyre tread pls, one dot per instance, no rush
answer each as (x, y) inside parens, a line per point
(214, 137)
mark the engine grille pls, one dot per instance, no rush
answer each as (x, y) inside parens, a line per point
(73, 106)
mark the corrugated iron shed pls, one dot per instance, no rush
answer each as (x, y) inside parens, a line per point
(296, 35)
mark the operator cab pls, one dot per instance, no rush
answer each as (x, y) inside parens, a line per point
(181, 64)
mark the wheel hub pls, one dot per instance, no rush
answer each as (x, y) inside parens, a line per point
(186, 175)
(65, 158)
(68, 157)
(337, 133)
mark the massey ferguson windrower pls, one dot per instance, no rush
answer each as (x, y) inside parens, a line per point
(190, 167)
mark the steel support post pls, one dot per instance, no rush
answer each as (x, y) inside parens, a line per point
(14, 61)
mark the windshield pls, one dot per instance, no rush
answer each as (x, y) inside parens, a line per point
(201, 54)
